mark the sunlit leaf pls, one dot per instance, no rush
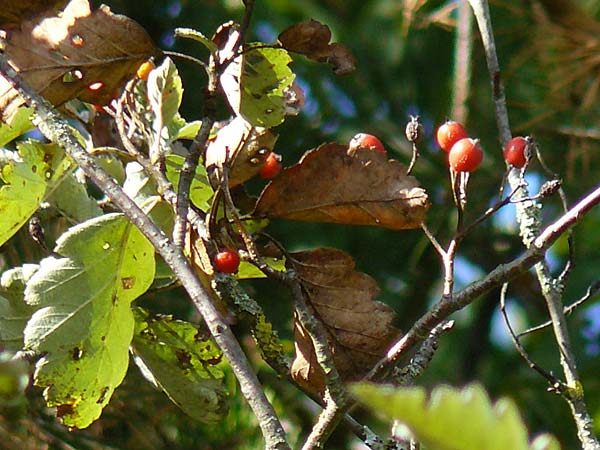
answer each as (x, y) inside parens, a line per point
(14, 312)
(74, 55)
(84, 323)
(20, 124)
(28, 178)
(328, 185)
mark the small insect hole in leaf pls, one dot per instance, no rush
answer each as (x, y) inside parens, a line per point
(96, 86)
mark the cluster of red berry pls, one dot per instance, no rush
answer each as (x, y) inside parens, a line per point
(465, 154)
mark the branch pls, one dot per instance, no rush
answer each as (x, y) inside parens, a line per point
(528, 216)
(501, 274)
(57, 129)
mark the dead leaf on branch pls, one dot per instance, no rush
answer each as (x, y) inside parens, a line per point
(13, 13)
(79, 54)
(242, 146)
(327, 185)
(360, 329)
(311, 39)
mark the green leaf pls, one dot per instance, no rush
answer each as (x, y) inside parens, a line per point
(143, 190)
(197, 36)
(84, 323)
(165, 92)
(72, 200)
(265, 78)
(14, 312)
(248, 270)
(184, 362)
(21, 124)
(439, 421)
(184, 130)
(200, 192)
(28, 178)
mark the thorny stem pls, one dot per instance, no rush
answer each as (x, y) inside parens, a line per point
(57, 130)
(528, 217)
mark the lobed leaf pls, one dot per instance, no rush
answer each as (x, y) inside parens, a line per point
(451, 419)
(256, 82)
(20, 124)
(360, 329)
(311, 39)
(29, 178)
(328, 185)
(181, 360)
(80, 54)
(14, 312)
(84, 324)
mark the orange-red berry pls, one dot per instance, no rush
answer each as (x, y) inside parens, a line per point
(450, 133)
(272, 166)
(364, 140)
(465, 155)
(227, 261)
(514, 152)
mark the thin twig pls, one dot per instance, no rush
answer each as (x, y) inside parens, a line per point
(528, 216)
(554, 382)
(590, 293)
(501, 274)
(56, 129)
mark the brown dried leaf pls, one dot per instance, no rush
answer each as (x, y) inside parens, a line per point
(81, 54)
(360, 328)
(13, 13)
(327, 185)
(311, 39)
(246, 146)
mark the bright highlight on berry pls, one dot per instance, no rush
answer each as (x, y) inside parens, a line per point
(465, 155)
(450, 133)
(227, 261)
(365, 141)
(515, 151)
(272, 166)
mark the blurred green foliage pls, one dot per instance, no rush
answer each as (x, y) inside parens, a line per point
(402, 68)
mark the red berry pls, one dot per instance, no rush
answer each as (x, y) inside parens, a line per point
(227, 261)
(272, 166)
(364, 140)
(449, 133)
(514, 152)
(465, 155)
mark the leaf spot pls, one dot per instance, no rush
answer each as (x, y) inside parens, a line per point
(77, 354)
(128, 282)
(103, 395)
(106, 246)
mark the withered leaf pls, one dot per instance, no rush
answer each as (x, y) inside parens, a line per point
(13, 13)
(360, 329)
(79, 54)
(245, 146)
(328, 185)
(311, 39)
